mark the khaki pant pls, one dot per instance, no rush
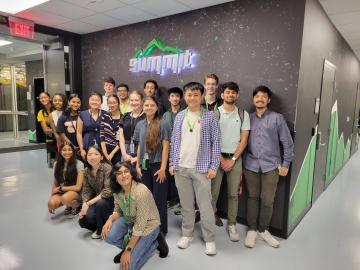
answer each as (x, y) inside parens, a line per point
(233, 182)
(191, 185)
(262, 188)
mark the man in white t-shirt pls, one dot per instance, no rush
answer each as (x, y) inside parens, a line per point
(234, 127)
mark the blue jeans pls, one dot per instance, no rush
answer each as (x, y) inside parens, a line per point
(144, 248)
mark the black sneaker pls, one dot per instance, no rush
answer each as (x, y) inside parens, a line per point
(75, 211)
(118, 257)
(197, 216)
(162, 247)
(177, 210)
(218, 221)
(67, 211)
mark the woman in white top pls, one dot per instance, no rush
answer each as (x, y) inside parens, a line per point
(60, 104)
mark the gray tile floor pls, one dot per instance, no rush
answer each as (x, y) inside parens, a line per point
(327, 238)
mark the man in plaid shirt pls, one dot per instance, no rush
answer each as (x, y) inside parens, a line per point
(194, 160)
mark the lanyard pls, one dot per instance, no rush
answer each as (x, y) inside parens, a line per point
(207, 105)
(192, 125)
(123, 208)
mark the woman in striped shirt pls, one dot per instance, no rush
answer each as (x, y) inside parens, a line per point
(109, 127)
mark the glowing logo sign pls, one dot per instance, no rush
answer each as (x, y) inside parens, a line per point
(176, 60)
(20, 27)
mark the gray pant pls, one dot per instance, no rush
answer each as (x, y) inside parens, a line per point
(233, 182)
(191, 184)
(262, 188)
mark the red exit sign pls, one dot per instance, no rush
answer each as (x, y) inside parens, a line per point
(21, 28)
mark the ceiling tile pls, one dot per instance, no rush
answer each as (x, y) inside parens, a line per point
(97, 5)
(161, 8)
(130, 14)
(41, 17)
(79, 27)
(202, 3)
(66, 9)
(102, 21)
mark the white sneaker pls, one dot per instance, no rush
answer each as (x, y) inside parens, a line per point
(95, 235)
(268, 238)
(233, 233)
(210, 248)
(250, 239)
(184, 242)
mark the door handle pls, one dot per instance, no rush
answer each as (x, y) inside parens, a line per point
(320, 143)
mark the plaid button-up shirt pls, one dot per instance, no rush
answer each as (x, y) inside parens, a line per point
(208, 156)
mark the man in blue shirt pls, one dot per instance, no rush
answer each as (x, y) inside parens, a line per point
(269, 154)
(194, 159)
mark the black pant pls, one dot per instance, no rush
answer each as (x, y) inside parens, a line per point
(117, 156)
(159, 192)
(173, 195)
(97, 215)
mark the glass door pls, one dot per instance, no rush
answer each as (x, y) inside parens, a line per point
(13, 102)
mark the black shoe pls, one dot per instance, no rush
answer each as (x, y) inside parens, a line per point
(218, 221)
(118, 257)
(162, 247)
(197, 216)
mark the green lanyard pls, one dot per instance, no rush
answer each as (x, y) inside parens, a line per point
(123, 208)
(126, 217)
(192, 125)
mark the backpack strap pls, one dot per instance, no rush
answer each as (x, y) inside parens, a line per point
(241, 115)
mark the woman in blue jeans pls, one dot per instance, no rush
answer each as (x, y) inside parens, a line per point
(134, 224)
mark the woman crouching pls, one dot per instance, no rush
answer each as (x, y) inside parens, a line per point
(98, 202)
(68, 180)
(134, 225)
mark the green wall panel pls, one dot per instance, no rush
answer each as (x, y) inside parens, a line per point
(302, 193)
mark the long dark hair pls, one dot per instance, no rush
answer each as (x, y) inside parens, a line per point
(67, 111)
(152, 136)
(71, 170)
(115, 186)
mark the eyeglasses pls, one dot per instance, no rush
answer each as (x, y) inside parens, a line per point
(121, 173)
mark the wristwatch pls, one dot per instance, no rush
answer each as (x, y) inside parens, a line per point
(233, 158)
(129, 249)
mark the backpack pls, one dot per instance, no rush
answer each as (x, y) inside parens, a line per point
(240, 112)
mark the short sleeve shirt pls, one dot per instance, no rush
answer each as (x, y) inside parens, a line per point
(140, 134)
(67, 124)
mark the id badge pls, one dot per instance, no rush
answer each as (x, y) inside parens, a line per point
(145, 162)
(132, 147)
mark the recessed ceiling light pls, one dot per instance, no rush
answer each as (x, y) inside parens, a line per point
(14, 7)
(4, 42)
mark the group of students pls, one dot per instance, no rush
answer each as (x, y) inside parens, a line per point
(136, 153)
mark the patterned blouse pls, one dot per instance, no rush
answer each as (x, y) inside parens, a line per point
(100, 184)
(143, 211)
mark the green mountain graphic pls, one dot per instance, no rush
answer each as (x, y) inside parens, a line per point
(156, 43)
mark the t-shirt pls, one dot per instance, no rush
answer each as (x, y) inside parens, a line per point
(71, 182)
(108, 130)
(43, 116)
(55, 116)
(190, 140)
(139, 137)
(104, 105)
(125, 107)
(128, 124)
(67, 125)
(231, 127)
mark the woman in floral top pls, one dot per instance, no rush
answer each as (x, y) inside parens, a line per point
(134, 225)
(97, 198)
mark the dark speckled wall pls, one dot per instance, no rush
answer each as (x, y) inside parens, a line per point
(251, 42)
(248, 41)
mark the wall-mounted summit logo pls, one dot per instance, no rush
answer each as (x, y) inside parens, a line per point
(175, 59)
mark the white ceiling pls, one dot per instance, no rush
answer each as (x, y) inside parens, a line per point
(19, 51)
(86, 16)
(345, 14)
